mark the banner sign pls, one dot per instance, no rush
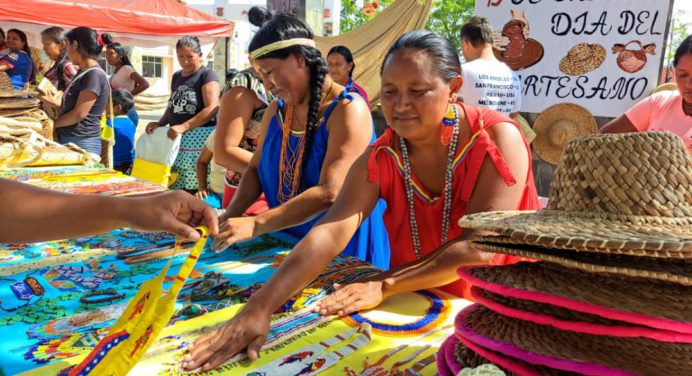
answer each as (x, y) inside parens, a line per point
(604, 55)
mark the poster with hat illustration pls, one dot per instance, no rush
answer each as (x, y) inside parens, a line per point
(604, 55)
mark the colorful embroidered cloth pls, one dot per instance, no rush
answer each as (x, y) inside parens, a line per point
(83, 180)
(60, 308)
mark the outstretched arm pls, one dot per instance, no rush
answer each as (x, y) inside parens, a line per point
(439, 267)
(33, 214)
(306, 261)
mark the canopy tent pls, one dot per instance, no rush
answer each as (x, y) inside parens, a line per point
(370, 42)
(145, 23)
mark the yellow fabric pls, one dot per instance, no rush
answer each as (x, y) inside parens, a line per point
(142, 321)
(370, 42)
(150, 171)
(280, 45)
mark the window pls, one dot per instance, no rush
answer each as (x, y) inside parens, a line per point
(152, 66)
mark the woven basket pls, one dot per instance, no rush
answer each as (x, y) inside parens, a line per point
(660, 305)
(656, 268)
(571, 351)
(623, 193)
(566, 319)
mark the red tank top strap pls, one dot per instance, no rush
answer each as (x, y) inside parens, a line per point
(479, 120)
(384, 141)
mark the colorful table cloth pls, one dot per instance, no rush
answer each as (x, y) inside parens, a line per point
(83, 180)
(57, 299)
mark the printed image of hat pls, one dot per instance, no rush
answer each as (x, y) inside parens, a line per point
(582, 59)
(558, 125)
(627, 194)
(659, 305)
(570, 351)
(526, 129)
(656, 268)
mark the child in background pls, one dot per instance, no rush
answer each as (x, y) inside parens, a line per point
(213, 192)
(124, 128)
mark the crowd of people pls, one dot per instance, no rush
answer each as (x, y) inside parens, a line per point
(291, 141)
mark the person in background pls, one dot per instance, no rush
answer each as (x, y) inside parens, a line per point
(124, 75)
(669, 110)
(4, 50)
(124, 128)
(191, 110)
(32, 214)
(420, 80)
(63, 70)
(86, 97)
(341, 67)
(210, 175)
(18, 63)
(243, 104)
(488, 82)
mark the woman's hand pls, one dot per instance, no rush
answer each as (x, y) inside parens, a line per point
(49, 98)
(176, 130)
(351, 298)
(176, 212)
(151, 126)
(202, 193)
(234, 230)
(248, 330)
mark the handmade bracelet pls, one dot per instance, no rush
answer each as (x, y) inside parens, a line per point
(108, 296)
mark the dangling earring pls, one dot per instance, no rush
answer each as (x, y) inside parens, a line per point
(450, 121)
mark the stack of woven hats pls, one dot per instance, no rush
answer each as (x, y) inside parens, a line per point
(21, 109)
(612, 292)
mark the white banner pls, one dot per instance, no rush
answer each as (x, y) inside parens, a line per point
(604, 55)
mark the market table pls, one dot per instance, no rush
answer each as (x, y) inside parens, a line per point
(57, 320)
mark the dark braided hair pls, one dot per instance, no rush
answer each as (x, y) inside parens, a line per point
(284, 27)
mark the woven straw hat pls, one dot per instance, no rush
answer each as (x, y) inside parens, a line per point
(582, 59)
(566, 319)
(625, 194)
(7, 90)
(526, 129)
(558, 125)
(656, 268)
(572, 351)
(660, 305)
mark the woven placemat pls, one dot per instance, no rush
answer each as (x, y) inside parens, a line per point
(656, 304)
(573, 351)
(565, 319)
(663, 269)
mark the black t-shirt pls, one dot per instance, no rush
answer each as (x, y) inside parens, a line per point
(96, 81)
(186, 94)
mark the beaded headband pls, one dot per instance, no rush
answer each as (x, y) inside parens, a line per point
(271, 47)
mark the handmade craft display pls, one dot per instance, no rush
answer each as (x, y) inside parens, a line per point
(612, 294)
(84, 180)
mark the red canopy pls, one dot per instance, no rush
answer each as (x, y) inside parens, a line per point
(149, 17)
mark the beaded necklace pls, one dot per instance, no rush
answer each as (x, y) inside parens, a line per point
(447, 193)
(289, 170)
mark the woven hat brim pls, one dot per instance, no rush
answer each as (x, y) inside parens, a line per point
(584, 122)
(12, 103)
(13, 94)
(650, 236)
(470, 355)
(670, 270)
(447, 365)
(564, 319)
(659, 305)
(15, 112)
(571, 351)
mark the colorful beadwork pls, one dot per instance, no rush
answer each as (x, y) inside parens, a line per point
(435, 315)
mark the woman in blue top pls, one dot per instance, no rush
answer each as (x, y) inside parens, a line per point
(308, 141)
(18, 63)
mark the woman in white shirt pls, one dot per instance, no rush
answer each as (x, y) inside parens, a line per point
(124, 75)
